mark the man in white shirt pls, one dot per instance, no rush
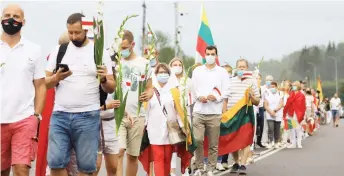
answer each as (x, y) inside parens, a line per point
(22, 93)
(75, 121)
(130, 136)
(335, 105)
(210, 83)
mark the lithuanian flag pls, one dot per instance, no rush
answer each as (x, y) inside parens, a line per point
(237, 128)
(205, 38)
(290, 124)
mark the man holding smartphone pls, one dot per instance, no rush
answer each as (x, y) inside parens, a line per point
(75, 120)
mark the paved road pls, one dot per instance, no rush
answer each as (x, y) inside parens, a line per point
(321, 155)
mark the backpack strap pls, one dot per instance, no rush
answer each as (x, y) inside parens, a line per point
(62, 51)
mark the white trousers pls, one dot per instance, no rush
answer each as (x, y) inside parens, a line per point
(296, 136)
(174, 161)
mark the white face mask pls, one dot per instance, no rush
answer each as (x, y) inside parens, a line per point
(177, 70)
(210, 59)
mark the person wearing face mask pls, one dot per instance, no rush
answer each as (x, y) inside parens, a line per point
(153, 63)
(130, 136)
(273, 104)
(161, 110)
(211, 84)
(240, 89)
(77, 100)
(335, 104)
(261, 120)
(22, 93)
(177, 68)
(294, 110)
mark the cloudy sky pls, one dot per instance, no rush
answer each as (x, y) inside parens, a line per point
(250, 29)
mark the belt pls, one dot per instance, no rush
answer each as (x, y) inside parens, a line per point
(108, 119)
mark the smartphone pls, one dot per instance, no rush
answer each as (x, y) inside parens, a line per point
(64, 66)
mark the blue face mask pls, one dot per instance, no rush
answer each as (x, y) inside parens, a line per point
(125, 53)
(273, 90)
(268, 83)
(152, 62)
(162, 77)
(294, 88)
(240, 73)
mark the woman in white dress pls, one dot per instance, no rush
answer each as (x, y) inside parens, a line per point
(177, 68)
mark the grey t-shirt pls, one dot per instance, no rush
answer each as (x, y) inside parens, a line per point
(132, 71)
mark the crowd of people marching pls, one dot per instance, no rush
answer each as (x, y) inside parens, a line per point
(209, 114)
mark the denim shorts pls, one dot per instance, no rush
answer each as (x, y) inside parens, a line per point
(335, 113)
(74, 130)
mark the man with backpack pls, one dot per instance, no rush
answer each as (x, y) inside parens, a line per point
(75, 122)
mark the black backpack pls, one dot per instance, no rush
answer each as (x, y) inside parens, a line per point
(62, 51)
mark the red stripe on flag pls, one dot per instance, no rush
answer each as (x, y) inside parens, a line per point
(201, 46)
(234, 141)
(87, 23)
(217, 61)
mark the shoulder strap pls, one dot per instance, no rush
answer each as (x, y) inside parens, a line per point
(61, 53)
(158, 97)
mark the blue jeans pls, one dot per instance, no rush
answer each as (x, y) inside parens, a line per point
(335, 114)
(80, 131)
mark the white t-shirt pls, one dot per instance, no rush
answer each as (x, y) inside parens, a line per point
(80, 91)
(20, 66)
(273, 102)
(132, 71)
(335, 103)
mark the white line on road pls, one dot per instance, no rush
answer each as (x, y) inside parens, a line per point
(261, 156)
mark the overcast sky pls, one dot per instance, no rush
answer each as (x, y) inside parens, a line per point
(251, 29)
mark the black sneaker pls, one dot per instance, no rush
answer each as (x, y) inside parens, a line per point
(234, 168)
(242, 170)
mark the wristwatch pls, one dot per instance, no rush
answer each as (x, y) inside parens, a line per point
(38, 116)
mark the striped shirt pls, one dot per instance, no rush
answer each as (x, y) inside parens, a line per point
(237, 90)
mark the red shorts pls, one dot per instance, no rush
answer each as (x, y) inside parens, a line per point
(17, 145)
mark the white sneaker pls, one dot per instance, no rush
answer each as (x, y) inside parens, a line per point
(198, 173)
(225, 165)
(277, 146)
(205, 167)
(291, 146)
(210, 173)
(220, 167)
(299, 146)
(269, 146)
(172, 174)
